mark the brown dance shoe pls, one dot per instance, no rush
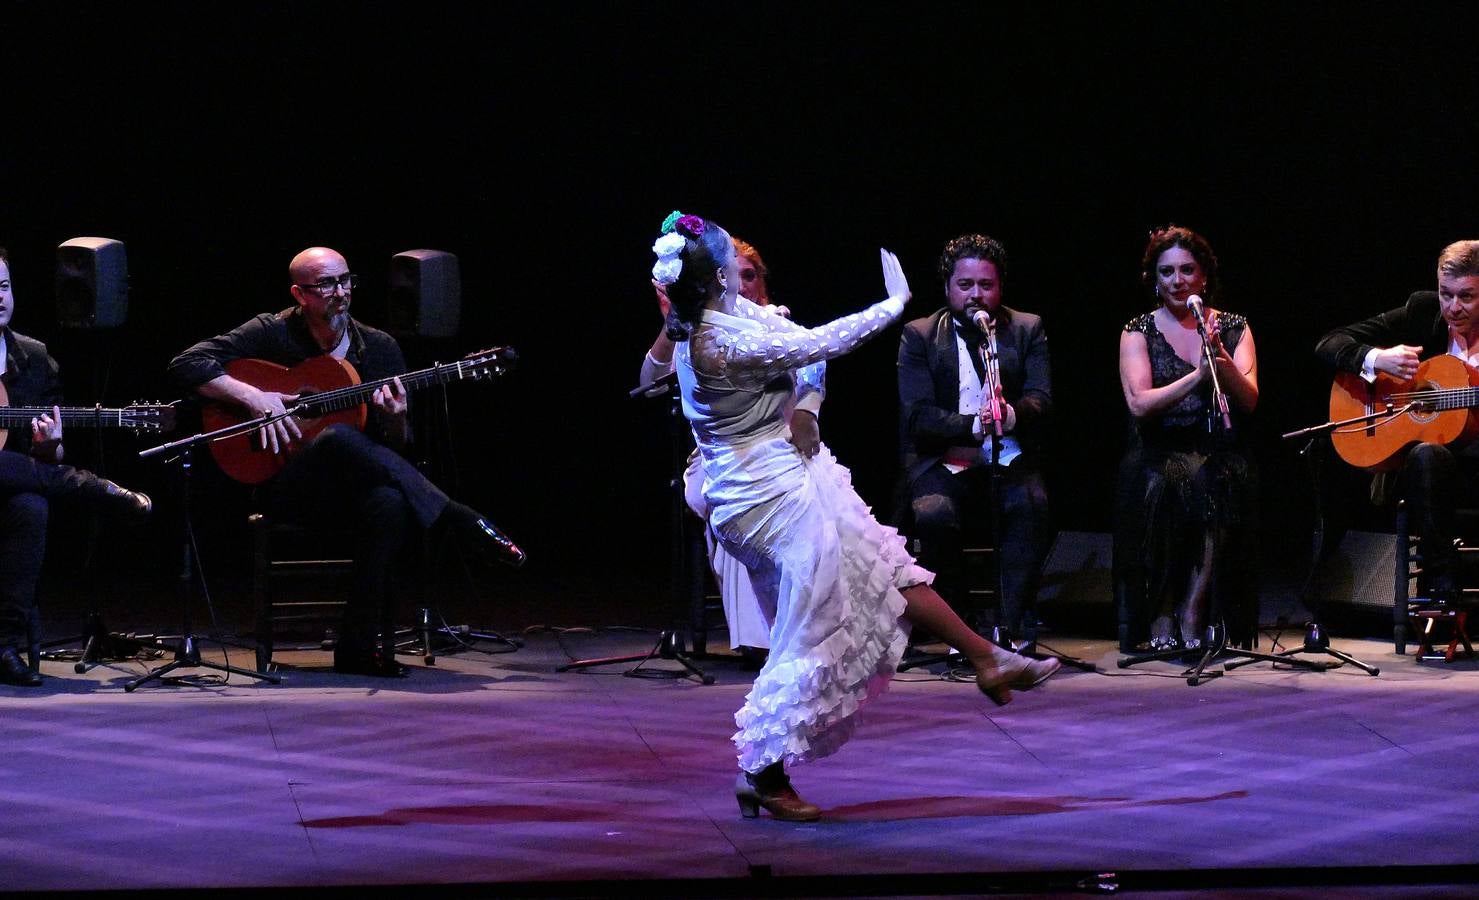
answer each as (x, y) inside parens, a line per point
(996, 685)
(779, 798)
(1014, 671)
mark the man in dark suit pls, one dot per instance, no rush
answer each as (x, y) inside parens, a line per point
(31, 476)
(947, 426)
(1434, 478)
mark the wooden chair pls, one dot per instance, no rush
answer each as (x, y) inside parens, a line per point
(1419, 614)
(277, 558)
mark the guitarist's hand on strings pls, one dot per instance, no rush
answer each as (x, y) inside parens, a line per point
(277, 436)
(1400, 361)
(390, 398)
(46, 436)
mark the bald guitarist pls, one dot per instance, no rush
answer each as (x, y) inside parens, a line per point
(31, 476)
(1433, 478)
(342, 477)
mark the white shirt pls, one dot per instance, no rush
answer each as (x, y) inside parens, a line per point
(972, 397)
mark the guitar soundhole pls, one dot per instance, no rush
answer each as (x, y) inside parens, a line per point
(1423, 412)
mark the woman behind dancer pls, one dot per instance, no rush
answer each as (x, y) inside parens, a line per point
(842, 581)
(1186, 518)
(747, 614)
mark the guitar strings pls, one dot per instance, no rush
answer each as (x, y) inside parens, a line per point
(349, 396)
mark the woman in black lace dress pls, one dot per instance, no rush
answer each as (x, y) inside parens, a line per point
(1186, 529)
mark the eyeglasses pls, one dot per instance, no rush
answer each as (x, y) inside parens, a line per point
(347, 281)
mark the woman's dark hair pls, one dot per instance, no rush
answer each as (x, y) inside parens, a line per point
(702, 256)
(972, 246)
(4, 257)
(1172, 235)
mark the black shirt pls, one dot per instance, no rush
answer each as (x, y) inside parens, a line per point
(285, 339)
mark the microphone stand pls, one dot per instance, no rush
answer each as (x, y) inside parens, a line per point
(187, 652)
(991, 364)
(1219, 399)
(687, 590)
(1000, 635)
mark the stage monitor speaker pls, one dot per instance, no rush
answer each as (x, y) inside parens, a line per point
(425, 294)
(91, 283)
(1077, 570)
(1360, 572)
(1076, 593)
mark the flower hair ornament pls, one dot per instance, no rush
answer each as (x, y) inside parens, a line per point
(676, 229)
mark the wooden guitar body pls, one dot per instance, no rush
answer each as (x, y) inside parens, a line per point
(243, 457)
(1442, 397)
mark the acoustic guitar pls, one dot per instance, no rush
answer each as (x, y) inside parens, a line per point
(1436, 406)
(329, 393)
(137, 417)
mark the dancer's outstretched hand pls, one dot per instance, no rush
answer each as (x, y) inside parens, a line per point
(893, 277)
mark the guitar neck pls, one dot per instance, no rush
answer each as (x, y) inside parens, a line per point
(1439, 399)
(354, 395)
(21, 416)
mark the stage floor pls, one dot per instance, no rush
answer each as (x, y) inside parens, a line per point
(495, 769)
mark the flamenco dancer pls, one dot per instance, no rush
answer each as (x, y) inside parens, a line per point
(842, 581)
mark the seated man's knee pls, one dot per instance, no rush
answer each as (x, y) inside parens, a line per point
(935, 514)
(25, 510)
(1427, 457)
(382, 503)
(338, 437)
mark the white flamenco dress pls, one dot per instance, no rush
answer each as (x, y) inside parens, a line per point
(747, 613)
(806, 537)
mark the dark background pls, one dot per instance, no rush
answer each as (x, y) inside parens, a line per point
(1327, 151)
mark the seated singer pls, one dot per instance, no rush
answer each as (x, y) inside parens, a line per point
(746, 613)
(30, 478)
(1186, 511)
(343, 477)
(947, 423)
(1434, 479)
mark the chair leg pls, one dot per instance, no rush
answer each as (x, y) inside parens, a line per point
(1460, 636)
(1402, 573)
(261, 602)
(33, 638)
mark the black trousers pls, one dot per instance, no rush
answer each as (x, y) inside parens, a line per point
(1434, 482)
(344, 481)
(948, 507)
(27, 488)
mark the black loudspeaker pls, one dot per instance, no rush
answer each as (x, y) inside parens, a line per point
(425, 294)
(91, 283)
(1077, 571)
(1360, 572)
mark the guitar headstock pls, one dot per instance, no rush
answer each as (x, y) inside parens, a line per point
(145, 416)
(488, 363)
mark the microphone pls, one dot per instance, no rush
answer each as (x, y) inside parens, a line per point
(1194, 302)
(982, 319)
